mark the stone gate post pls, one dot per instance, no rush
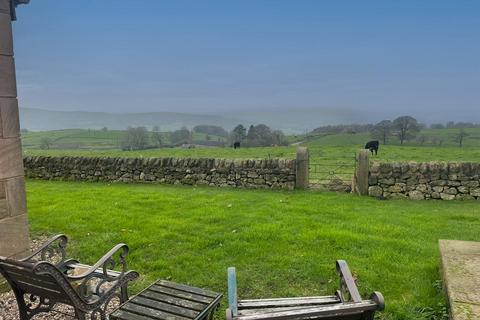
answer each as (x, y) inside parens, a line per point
(302, 169)
(14, 239)
(362, 167)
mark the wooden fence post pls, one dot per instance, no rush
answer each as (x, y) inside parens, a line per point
(302, 169)
(362, 167)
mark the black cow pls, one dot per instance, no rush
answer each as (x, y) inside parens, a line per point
(373, 146)
(236, 145)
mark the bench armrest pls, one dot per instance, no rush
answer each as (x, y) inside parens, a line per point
(348, 288)
(105, 263)
(53, 251)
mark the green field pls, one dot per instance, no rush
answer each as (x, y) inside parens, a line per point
(82, 140)
(332, 156)
(282, 243)
(322, 147)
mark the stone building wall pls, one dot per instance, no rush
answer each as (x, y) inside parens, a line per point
(430, 180)
(268, 173)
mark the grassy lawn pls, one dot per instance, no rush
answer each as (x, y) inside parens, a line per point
(282, 243)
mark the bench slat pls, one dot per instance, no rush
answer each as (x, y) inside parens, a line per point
(125, 315)
(23, 273)
(292, 302)
(292, 298)
(173, 300)
(335, 310)
(182, 287)
(181, 294)
(154, 314)
(162, 306)
(246, 312)
(43, 292)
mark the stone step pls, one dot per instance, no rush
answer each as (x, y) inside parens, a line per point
(461, 275)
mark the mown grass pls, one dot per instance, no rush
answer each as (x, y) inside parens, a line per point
(282, 243)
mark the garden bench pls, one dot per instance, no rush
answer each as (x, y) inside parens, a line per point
(46, 278)
(345, 304)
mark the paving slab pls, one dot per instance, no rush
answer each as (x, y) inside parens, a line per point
(461, 275)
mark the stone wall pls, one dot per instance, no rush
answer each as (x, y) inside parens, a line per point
(268, 173)
(431, 180)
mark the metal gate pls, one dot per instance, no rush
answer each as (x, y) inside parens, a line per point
(333, 174)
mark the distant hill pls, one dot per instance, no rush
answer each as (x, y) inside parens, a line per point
(44, 120)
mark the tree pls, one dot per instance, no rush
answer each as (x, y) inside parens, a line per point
(135, 139)
(279, 138)
(262, 136)
(45, 143)
(460, 138)
(156, 129)
(437, 126)
(406, 128)
(104, 129)
(422, 139)
(181, 136)
(239, 134)
(157, 139)
(382, 131)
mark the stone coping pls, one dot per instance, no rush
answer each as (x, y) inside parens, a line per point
(461, 275)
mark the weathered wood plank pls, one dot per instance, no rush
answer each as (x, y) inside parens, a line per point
(173, 300)
(246, 312)
(125, 315)
(189, 289)
(335, 310)
(181, 294)
(35, 282)
(232, 291)
(162, 306)
(152, 313)
(292, 298)
(287, 302)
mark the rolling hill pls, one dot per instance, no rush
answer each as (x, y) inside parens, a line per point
(45, 120)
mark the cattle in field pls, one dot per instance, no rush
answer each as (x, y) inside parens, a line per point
(373, 146)
(236, 145)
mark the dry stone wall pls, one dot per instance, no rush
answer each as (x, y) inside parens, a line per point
(268, 173)
(431, 180)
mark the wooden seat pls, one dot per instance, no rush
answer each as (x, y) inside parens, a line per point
(46, 278)
(165, 300)
(345, 304)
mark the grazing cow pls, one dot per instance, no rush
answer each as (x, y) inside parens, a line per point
(236, 145)
(373, 146)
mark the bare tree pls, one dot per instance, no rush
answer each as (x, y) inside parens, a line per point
(460, 138)
(422, 139)
(135, 139)
(406, 128)
(382, 131)
(45, 143)
(157, 139)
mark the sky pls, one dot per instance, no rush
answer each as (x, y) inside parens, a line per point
(368, 60)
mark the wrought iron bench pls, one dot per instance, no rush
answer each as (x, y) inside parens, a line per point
(46, 278)
(345, 304)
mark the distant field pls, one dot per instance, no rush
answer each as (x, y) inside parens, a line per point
(89, 140)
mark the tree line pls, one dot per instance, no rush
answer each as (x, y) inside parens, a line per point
(406, 128)
(139, 138)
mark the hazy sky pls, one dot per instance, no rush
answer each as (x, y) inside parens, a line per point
(391, 57)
